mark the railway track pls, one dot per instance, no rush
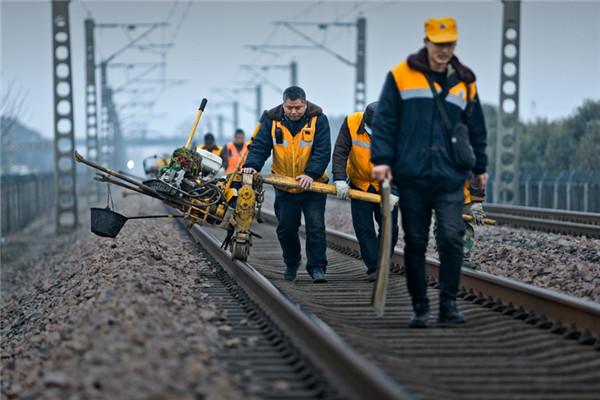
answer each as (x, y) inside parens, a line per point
(556, 221)
(520, 342)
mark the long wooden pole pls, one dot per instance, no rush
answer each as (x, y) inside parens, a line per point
(319, 187)
(286, 181)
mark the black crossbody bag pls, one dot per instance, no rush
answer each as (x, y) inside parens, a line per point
(462, 151)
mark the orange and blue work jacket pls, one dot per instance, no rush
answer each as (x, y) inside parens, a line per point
(299, 147)
(409, 134)
(352, 154)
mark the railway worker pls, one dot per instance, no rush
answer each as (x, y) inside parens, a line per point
(474, 195)
(473, 206)
(232, 152)
(210, 144)
(297, 133)
(410, 145)
(351, 162)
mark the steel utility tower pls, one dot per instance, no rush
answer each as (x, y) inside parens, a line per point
(91, 120)
(360, 93)
(248, 86)
(233, 102)
(236, 114)
(110, 149)
(64, 138)
(506, 182)
(258, 101)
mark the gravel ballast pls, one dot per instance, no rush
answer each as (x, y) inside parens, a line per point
(91, 317)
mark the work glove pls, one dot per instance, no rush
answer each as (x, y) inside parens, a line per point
(477, 212)
(394, 200)
(342, 190)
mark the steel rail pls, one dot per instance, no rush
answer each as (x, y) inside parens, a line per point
(563, 227)
(562, 215)
(354, 375)
(558, 221)
(555, 306)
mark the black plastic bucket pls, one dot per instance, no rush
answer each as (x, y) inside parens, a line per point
(106, 222)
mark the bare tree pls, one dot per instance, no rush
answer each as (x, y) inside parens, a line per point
(12, 106)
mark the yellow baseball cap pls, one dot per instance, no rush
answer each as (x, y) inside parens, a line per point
(441, 30)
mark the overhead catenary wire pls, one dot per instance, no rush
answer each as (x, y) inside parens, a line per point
(170, 27)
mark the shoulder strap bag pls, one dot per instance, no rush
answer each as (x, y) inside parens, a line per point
(462, 151)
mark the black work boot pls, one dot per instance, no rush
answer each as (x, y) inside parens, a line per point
(449, 314)
(420, 315)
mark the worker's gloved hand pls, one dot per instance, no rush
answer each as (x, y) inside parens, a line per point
(342, 190)
(476, 210)
(394, 200)
(249, 170)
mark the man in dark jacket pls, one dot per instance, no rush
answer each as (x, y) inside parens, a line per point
(210, 145)
(297, 132)
(351, 162)
(410, 145)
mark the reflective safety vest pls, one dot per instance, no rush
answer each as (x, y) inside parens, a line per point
(467, 192)
(360, 167)
(412, 84)
(233, 156)
(291, 153)
(216, 150)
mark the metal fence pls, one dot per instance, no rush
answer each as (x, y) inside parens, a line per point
(565, 190)
(25, 197)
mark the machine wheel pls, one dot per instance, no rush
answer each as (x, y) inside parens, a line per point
(240, 251)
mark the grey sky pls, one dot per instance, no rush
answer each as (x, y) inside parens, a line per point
(560, 57)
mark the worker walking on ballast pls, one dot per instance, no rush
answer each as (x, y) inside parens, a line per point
(351, 162)
(429, 137)
(296, 132)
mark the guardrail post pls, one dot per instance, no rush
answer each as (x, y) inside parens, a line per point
(527, 189)
(541, 189)
(568, 189)
(586, 193)
(555, 199)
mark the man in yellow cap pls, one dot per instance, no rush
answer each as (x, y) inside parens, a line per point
(422, 102)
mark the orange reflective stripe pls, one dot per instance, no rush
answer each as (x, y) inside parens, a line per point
(408, 79)
(413, 84)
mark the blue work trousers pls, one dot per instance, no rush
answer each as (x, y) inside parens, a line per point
(364, 216)
(288, 209)
(416, 206)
